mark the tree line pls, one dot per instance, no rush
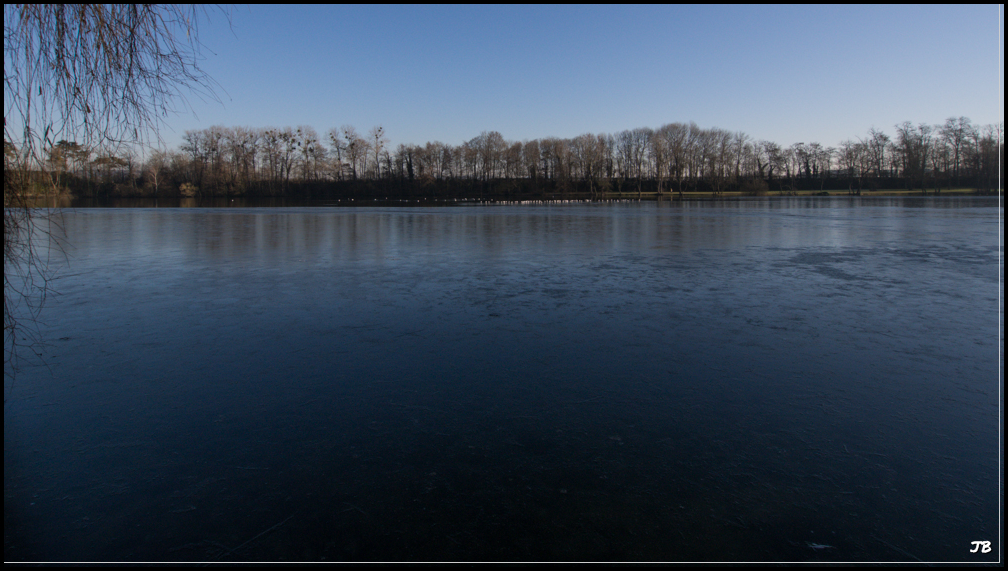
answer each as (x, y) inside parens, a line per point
(675, 158)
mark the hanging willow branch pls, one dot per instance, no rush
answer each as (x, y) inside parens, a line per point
(87, 76)
(98, 73)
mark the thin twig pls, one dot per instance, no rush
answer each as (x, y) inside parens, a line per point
(262, 533)
(904, 552)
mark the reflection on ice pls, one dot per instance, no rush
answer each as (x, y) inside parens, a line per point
(754, 381)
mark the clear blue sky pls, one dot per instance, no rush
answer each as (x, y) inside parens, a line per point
(446, 73)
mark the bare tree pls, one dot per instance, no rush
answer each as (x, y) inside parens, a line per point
(721, 157)
(448, 159)
(941, 159)
(355, 148)
(956, 134)
(491, 151)
(513, 160)
(311, 151)
(157, 162)
(913, 145)
(821, 159)
(985, 155)
(580, 155)
(288, 150)
(624, 153)
(659, 151)
(438, 158)
(639, 153)
(403, 162)
(377, 134)
(675, 135)
(272, 151)
(246, 146)
(338, 148)
(531, 155)
(849, 156)
(739, 142)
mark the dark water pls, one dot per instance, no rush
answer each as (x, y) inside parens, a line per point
(775, 380)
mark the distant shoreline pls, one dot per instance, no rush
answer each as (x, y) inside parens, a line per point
(69, 201)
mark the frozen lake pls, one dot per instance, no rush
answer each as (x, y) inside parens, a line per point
(765, 380)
